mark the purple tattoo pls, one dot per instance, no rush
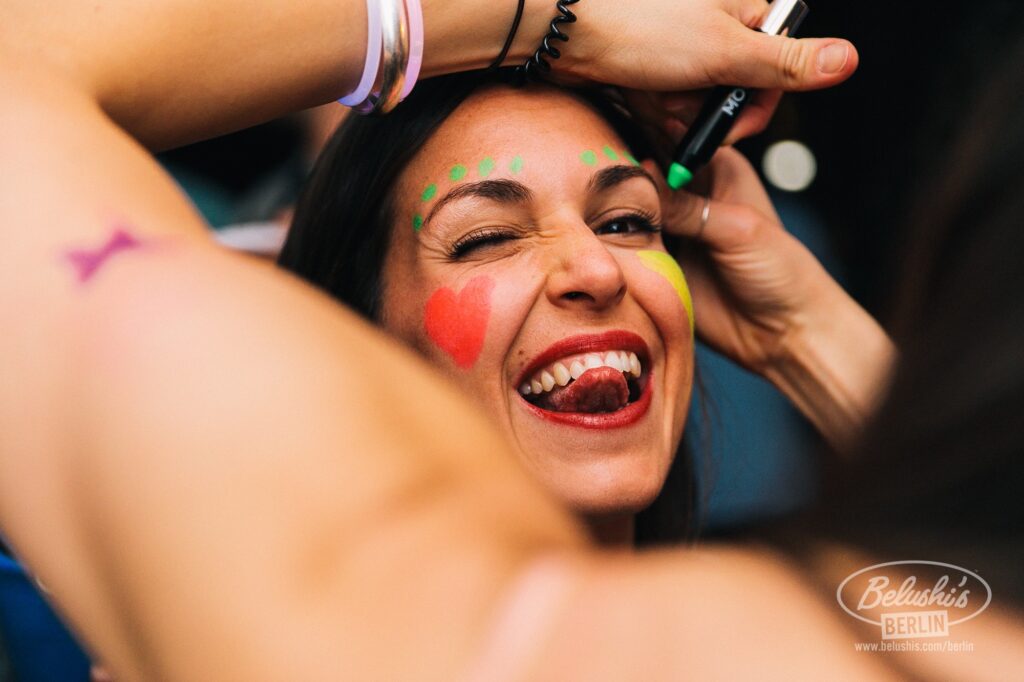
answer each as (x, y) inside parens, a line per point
(88, 262)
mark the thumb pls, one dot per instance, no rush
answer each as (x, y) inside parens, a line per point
(791, 64)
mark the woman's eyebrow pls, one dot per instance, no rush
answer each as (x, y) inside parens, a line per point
(606, 178)
(505, 191)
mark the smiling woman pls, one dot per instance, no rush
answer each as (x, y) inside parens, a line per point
(512, 238)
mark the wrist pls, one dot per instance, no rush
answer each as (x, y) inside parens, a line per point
(459, 36)
(833, 364)
(585, 40)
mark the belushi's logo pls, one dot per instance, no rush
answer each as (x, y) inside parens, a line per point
(911, 599)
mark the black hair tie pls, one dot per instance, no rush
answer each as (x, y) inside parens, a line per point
(537, 64)
(511, 36)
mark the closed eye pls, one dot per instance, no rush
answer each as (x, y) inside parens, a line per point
(479, 239)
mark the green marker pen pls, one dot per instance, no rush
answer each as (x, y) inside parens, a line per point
(725, 103)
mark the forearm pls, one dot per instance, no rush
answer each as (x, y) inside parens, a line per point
(834, 365)
(173, 71)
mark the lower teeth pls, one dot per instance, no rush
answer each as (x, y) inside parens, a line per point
(632, 382)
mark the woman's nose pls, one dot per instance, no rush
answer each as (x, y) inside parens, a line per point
(584, 273)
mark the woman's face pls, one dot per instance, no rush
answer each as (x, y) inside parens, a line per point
(525, 262)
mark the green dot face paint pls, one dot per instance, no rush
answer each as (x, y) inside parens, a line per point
(631, 158)
(589, 157)
(666, 266)
(516, 165)
(486, 167)
(457, 173)
(417, 223)
(610, 153)
(429, 193)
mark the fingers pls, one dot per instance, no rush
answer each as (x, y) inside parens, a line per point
(649, 111)
(666, 117)
(685, 106)
(733, 179)
(728, 178)
(680, 110)
(685, 213)
(777, 62)
(723, 227)
(735, 216)
(756, 116)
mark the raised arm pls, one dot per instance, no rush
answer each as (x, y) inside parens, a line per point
(218, 473)
(174, 71)
(765, 301)
(221, 475)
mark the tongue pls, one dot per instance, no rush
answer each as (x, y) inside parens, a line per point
(601, 389)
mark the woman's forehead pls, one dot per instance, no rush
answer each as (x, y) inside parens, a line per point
(500, 120)
(536, 134)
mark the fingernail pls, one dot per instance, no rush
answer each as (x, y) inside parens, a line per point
(832, 58)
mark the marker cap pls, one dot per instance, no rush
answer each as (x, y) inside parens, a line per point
(784, 17)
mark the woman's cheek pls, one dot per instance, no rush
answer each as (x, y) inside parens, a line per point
(666, 277)
(457, 321)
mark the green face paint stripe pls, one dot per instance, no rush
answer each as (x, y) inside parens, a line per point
(589, 157)
(610, 153)
(457, 173)
(486, 167)
(666, 266)
(516, 165)
(631, 158)
(417, 223)
(429, 193)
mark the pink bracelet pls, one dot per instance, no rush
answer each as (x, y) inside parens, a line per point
(372, 63)
(414, 12)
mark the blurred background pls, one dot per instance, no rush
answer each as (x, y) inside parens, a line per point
(843, 167)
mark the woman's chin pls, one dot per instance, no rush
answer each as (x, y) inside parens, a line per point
(607, 486)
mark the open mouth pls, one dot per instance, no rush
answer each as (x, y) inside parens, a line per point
(597, 381)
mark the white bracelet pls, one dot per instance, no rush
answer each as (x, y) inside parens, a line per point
(414, 10)
(372, 63)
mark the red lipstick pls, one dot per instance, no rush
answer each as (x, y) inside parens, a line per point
(630, 414)
(586, 343)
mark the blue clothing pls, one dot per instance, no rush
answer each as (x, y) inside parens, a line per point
(38, 646)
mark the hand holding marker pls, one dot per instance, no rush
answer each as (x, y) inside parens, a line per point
(725, 103)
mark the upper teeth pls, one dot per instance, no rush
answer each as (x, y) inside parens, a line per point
(572, 367)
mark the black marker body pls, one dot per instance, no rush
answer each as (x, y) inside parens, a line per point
(725, 103)
(702, 140)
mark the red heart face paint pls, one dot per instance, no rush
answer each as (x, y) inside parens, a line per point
(457, 323)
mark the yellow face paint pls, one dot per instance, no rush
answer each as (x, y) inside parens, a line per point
(666, 266)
